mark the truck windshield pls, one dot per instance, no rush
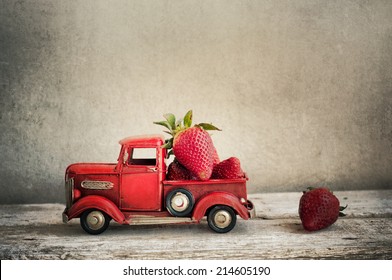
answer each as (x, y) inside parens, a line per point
(143, 156)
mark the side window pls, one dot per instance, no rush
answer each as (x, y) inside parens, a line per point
(143, 156)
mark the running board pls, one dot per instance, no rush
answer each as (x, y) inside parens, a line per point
(148, 220)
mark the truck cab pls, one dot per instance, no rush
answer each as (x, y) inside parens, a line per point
(142, 167)
(134, 191)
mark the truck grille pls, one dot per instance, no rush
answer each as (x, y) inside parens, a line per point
(69, 192)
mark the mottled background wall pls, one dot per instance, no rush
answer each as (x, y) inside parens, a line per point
(301, 89)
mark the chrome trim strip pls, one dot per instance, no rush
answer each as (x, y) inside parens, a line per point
(97, 185)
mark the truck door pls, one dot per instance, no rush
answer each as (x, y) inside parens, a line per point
(140, 186)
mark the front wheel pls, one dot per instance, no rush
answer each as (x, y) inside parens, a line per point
(94, 221)
(222, 219)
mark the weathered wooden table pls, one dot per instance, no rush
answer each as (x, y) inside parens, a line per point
(37, 232)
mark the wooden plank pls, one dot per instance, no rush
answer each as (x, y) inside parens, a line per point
(37, 232)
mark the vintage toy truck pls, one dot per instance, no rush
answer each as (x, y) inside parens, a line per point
(134, 191)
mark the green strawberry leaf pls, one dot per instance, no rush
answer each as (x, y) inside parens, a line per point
(168, 144)
(171, 119)
(169, 153)
(179, 122)
(188, 119)
(208, 126)
(341, 208)
(165, 124)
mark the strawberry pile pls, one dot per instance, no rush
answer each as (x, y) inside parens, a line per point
(196, 157)
(319, 208)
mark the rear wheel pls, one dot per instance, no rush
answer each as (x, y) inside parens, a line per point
(221, 219)
(180, 202)
(94, 221)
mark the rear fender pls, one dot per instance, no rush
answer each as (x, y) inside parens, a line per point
(96, 202)
(219, 198)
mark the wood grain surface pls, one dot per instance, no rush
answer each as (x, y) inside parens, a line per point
(36, 231)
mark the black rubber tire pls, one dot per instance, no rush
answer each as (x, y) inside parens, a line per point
(102, 218)
(228, 222)
(180, 212)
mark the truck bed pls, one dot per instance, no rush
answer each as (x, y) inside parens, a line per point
(200, 188)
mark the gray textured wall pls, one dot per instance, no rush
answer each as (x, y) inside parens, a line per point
(301, 89)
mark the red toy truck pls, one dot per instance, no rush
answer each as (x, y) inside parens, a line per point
(134, 191)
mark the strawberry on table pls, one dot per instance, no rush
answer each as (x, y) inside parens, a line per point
(191, 145)
(319, 208)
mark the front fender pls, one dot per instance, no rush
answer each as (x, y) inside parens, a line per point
(96, 202)
(219, 198)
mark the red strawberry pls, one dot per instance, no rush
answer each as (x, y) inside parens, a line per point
(192, 146)
(319, 208)
(194, 149)
(215, 156)
(176, 171)
(228, 169)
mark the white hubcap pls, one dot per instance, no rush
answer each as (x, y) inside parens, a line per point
(95, 220)
(222, 219)
(180, 202)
